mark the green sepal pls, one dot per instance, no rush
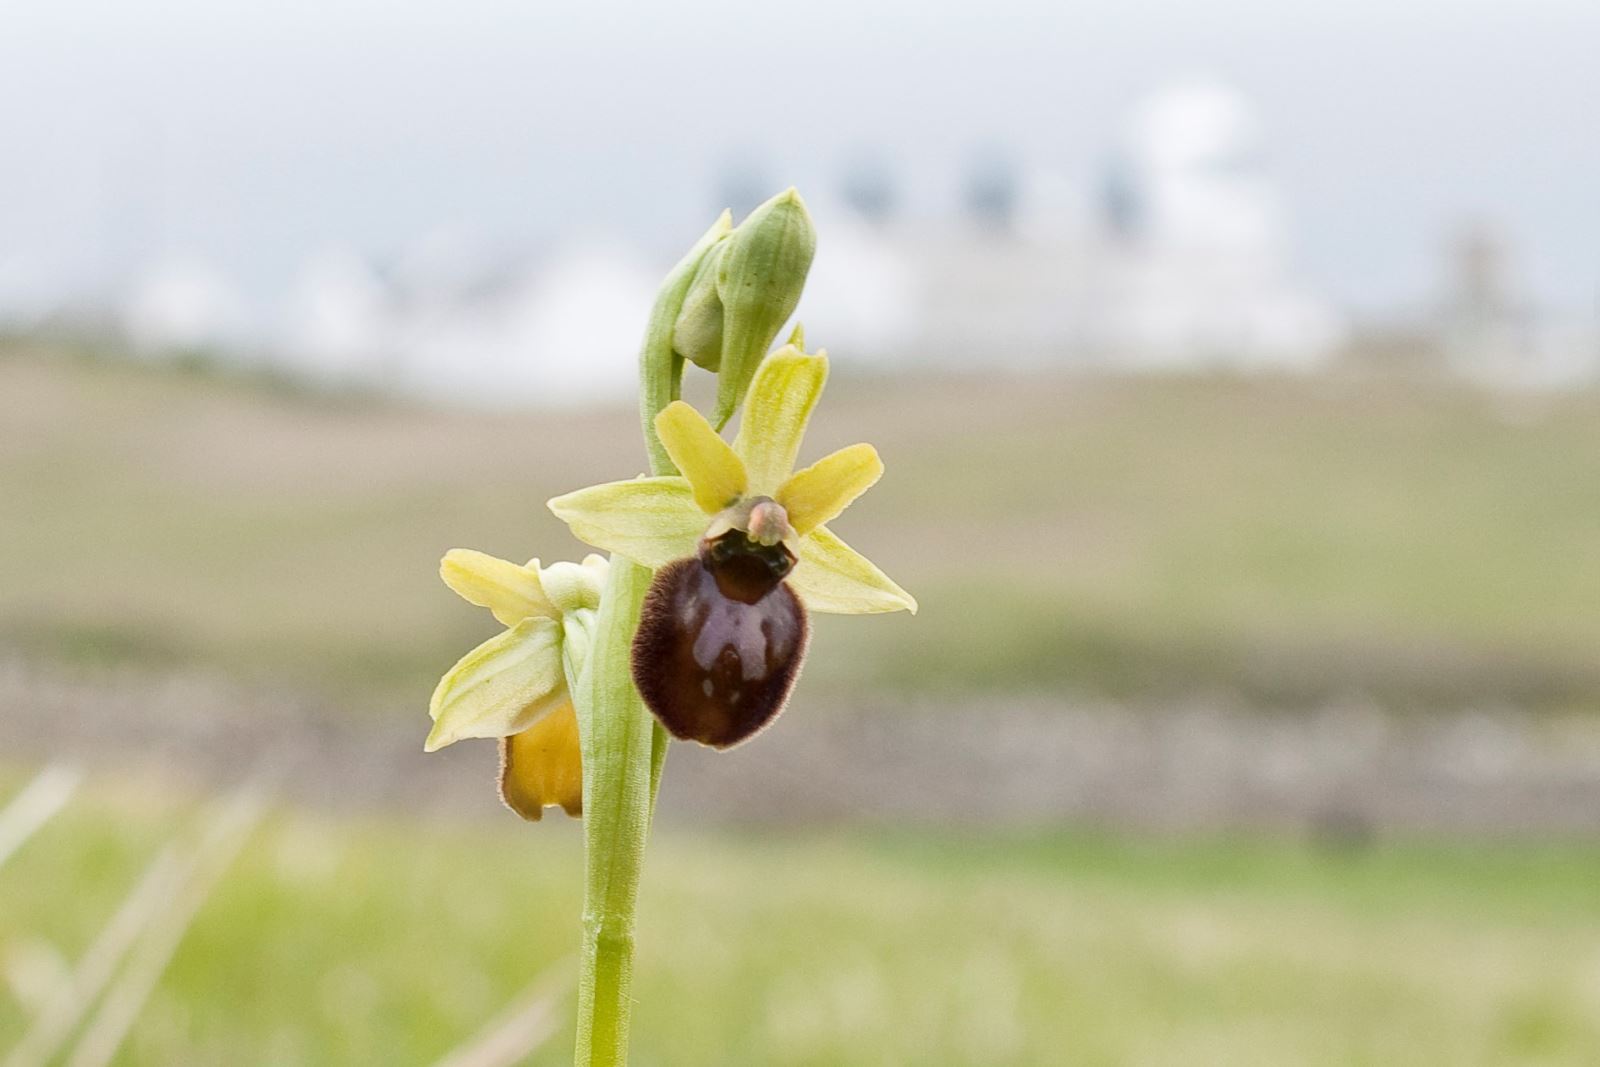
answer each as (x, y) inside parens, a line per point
(652, 521)
(834, 578)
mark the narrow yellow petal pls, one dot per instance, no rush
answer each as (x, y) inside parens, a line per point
(542, 767)
(776, 411)
(512, 592)
(820, 492)
(832, 577)
(714, 470)
(501, 687)
(651, 521)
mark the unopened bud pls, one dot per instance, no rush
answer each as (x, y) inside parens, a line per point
(743, 293)
(697, 335)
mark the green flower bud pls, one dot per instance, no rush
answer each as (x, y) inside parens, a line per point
(697, 335)
(744, 291)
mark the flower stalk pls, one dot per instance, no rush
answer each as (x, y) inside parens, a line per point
(620, 771)
(624, 749)
(698, 623)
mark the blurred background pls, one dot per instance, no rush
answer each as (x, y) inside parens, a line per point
(1235, 367)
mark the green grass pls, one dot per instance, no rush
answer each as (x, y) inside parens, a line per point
(368, 942)
(1286, 540)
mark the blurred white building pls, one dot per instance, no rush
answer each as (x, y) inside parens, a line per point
(1181, 262)
(454, 321)
(1196, 271)
(1489, 331)
(1176, 256)
(863, 291)
(183, 303)
(566, 331)
(339, 324)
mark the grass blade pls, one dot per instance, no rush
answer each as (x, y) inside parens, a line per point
(66, 1007)
(224, 837)
(517, 1032)
(47, 794)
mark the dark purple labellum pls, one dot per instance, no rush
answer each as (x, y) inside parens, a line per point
(720, 641)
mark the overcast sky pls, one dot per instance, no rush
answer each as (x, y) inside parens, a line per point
(253, 134)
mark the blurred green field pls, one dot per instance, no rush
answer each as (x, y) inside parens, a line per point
(370, 942)
(1283, 541)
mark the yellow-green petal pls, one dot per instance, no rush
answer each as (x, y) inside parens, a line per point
(502, 687)
(832, 577)
(511, 591)
(823, 490)
(651, 521)
(715, 471)
(776, 411)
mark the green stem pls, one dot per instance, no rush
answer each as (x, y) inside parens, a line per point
(617, 748)
(624, 748)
